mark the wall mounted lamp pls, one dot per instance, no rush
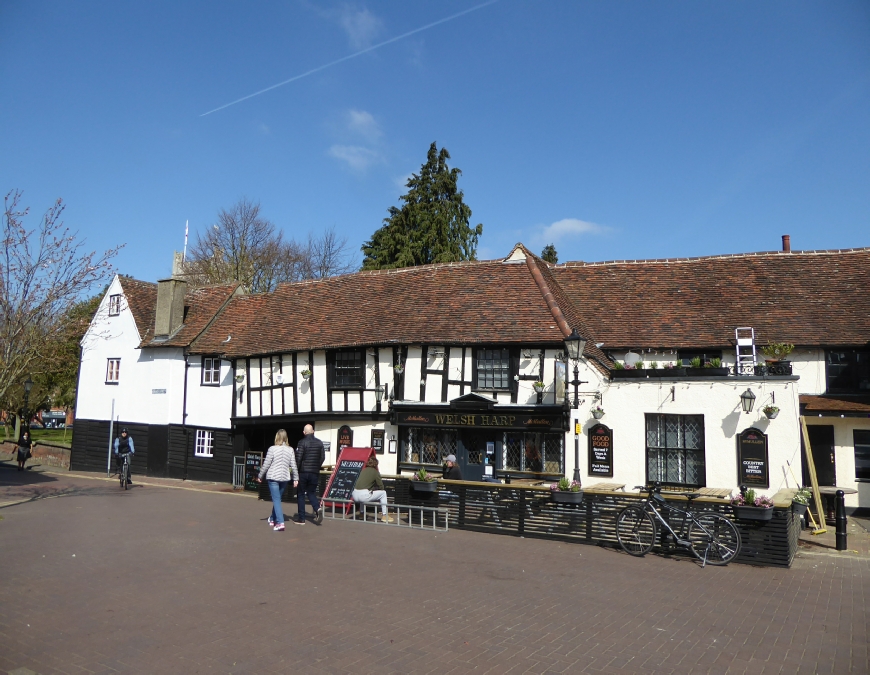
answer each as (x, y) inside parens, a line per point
(747, 400)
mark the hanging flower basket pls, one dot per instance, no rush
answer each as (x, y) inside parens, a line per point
(598, 412)
(771, 411)
(306, 374)
(538, 386)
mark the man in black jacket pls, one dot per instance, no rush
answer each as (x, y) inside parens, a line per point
(309, 458)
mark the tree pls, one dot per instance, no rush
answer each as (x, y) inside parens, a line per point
(43, 274)
(246, 247)
(549, 254)
(432, 225)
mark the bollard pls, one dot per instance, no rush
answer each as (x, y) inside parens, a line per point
(841, 520)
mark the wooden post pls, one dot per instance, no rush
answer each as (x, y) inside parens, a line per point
(814, 481)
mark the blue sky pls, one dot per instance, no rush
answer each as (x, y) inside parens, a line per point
(613, 130)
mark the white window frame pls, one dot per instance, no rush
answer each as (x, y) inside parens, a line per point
(113, 371)
(115, 305)
(204, 443)
(211, 371)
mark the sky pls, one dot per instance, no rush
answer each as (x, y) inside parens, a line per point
(613, 130)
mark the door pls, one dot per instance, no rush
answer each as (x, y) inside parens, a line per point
(158, 450)
(822, 444)
(470, 453)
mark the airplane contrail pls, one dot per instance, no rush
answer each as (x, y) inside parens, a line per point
(354, 55)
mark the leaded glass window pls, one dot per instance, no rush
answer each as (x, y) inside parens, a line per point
(493, 369)
(429, 446)
(348, 370)
(675, 450)
(530, 451)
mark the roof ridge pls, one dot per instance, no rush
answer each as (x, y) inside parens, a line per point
(719, 256)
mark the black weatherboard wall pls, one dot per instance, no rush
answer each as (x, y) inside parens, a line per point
(90, 445)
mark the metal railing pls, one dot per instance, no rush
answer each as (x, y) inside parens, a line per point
(400, 515)
(238, 473)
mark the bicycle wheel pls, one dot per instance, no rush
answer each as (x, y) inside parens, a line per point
(124, 470)
(635, 530)
(714, 538)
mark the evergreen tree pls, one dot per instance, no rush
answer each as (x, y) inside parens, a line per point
(432, 225)
(549, 254)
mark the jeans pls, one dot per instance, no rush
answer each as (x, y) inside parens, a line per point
(307, 486)
(371, 496)
(276, 489)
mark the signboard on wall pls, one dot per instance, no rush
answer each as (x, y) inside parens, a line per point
(601, 451)
(345, 439)
(378, 441)
(507, 421)
(561, 379)
(752, 462)
(253, 462)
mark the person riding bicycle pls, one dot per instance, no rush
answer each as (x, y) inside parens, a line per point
(124, 446)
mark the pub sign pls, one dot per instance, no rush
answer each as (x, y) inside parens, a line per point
(378, 441)
(345, 438)
(752, 464)
(601, 451)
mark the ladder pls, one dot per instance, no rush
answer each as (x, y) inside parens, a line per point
(745, 339)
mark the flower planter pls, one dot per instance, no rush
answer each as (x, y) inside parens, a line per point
(537, 389)
(569, 497)
(772, 415)
(707, 372)
(778, 368)
(669, 372)
(598, 414)
(627, 374)
(306, 376)
(799, 508)
(424, 485)
(752, 512)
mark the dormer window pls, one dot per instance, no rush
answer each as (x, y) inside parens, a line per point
(115, 305)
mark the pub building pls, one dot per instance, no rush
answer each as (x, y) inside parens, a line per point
(622, 372)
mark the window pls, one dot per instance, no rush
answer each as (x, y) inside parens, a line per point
(211, 370)
(113, 371)
(675, 450)
(493, 369)
(114, 305)
(429, 446)
(204, 443)
(538, 452)
(849, 371)
(348, 370)
(862, 454)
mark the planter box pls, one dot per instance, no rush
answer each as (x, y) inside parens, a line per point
(799, 508)
(707, 372)
(567, 497)
(424, 485)
(778, 368)
(598, 414)
(772, 415)
(627, 374)
(752, 513)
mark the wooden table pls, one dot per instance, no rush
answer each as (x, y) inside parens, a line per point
(606, 487)
(829, 493)
(721, 493)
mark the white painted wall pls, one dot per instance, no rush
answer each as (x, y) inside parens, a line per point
(208, 406)
(844, 455)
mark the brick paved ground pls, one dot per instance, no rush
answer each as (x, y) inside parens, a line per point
(158, 580)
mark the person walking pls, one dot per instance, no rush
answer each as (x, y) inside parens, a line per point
(370, 488)
(309, 458)
(124, 445)
(280, 464)
(25, 445)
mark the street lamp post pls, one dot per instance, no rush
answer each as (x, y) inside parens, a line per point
(574, 345)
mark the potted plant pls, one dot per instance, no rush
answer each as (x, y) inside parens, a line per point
(771, 411)
(749, 507)
(801, 501)
(538, 386)
(625, 371)
(597, 412)
(423, 481)
(306, 374)
(675, 369)
(399, 368)
(776, 351)
(566, 492)
(714, 367)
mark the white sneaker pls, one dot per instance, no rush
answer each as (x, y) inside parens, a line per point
(386, 518)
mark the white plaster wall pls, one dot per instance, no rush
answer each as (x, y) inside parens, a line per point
(327, 431)
(844, 455)
(626, 403)
(809, 365)
(208, 406)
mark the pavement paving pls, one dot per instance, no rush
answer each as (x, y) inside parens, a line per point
(163, 580)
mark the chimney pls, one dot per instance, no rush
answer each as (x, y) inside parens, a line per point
(170, 301)
(786, 243)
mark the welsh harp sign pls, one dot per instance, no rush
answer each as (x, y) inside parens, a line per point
(601, 451)
(486, 420)
(752, 464)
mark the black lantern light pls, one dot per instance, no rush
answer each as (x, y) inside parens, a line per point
(747, 399)
(575, 344)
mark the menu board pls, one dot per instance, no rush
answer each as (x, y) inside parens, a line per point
(253, 462)
(346, 473)
(378, 441)
(601, 451)
(752, 464)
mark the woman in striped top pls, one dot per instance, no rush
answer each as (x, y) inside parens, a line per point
(280, 464)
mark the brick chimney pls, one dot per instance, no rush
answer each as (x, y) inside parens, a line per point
(170, 302)
(786, 243)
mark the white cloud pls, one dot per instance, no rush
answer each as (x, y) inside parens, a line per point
(361, 26)
(363, 124)
(356, 157)
(567, 228)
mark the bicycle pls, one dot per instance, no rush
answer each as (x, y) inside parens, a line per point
(711, 537)
(124, 470)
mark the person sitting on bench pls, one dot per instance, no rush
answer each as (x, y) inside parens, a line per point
(370, 488)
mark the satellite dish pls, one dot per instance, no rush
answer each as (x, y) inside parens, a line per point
(631, 358)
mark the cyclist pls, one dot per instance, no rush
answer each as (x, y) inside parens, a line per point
(123, 446)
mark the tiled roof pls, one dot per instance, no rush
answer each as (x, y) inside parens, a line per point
(204, 304)
(141, 297)
(480, 302)
(804, 297)
(833, 403)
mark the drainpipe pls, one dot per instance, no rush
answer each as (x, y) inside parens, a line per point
(184, 415)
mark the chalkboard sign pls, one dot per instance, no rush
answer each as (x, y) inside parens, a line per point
(253, 462)
(346, 473)
(752, 464)
(601, 451)
(378, 441)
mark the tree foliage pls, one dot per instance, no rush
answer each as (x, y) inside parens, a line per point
(432, 225)
(43, 275)
(549, 254)
(244, 246)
